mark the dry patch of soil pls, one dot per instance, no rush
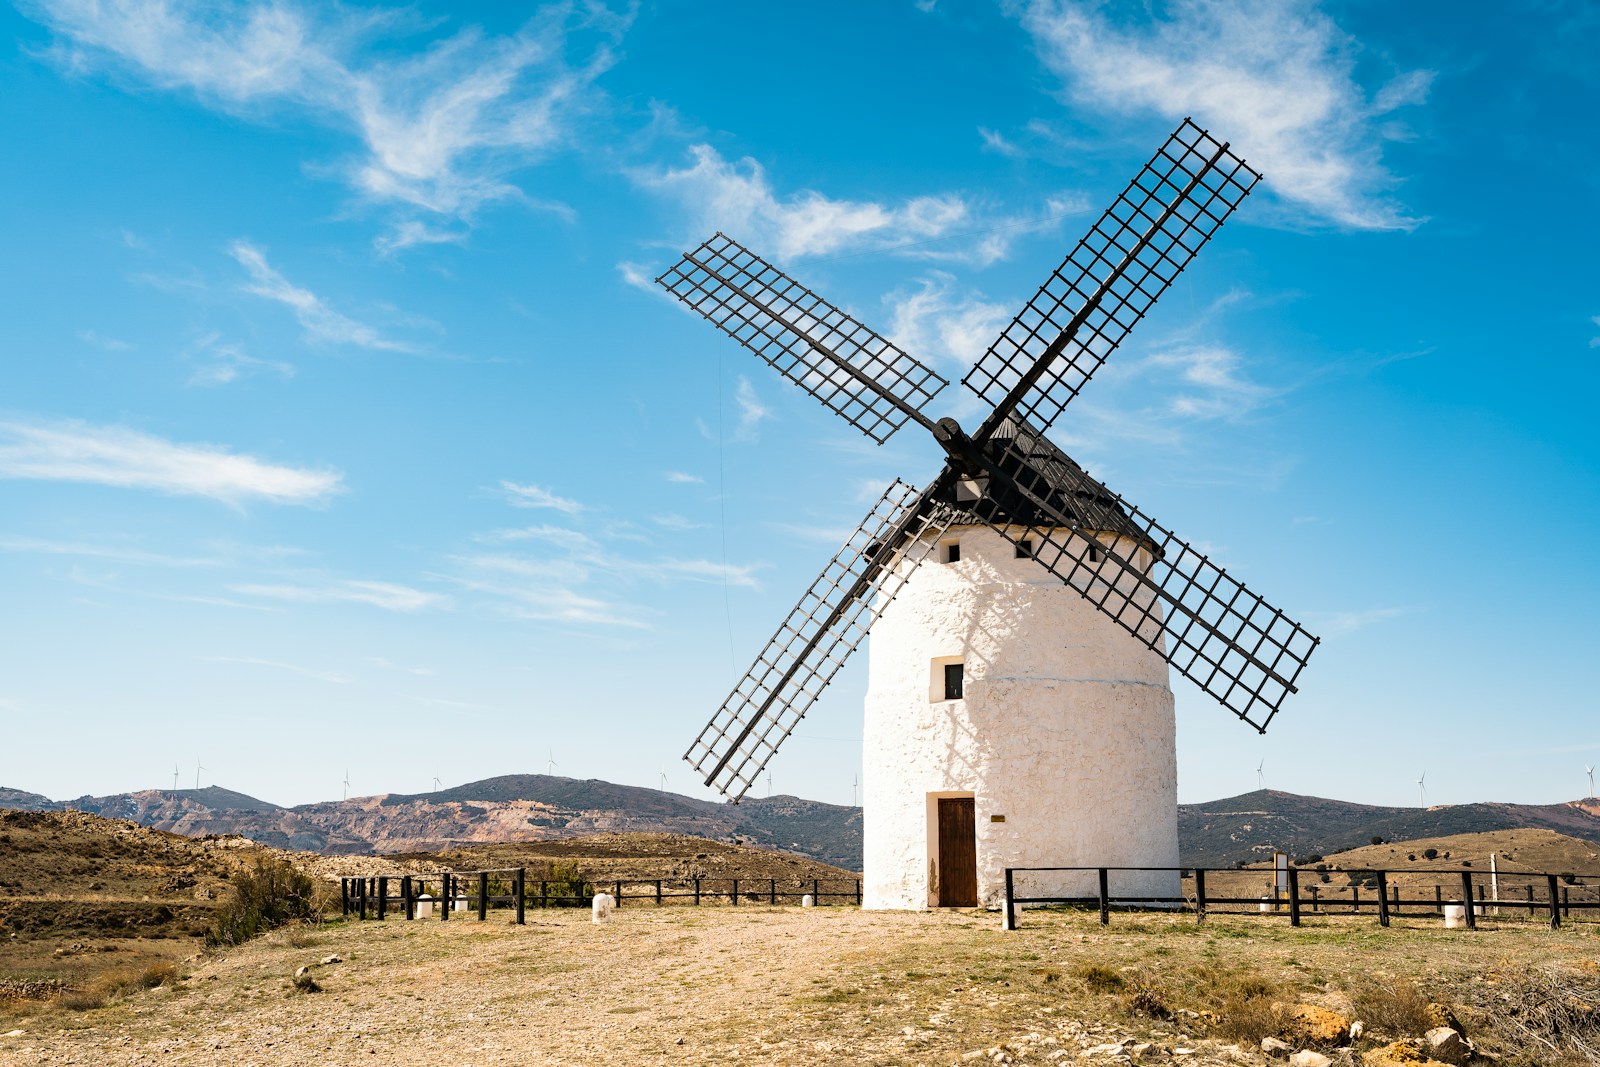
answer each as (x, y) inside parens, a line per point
(753, 985)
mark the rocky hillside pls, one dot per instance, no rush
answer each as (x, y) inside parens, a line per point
(537, 807)
(1223, 833)
(520, 807)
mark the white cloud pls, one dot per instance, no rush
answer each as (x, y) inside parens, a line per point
(441, 130)
(996, 142)
(333, 677)
(99, 340)
(676, 522)
(1212, 384)
(413, 232)
(931, 322)
(1340, 623)
(110, 455)
(533, 496)
(115, 553)
(739, 199)
(751, 409)
(683, 478)
(218, 362)
(1594, 342)
(386, 595)
(320, 322)
(1274, 77)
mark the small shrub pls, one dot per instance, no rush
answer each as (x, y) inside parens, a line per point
(1377, 840)
(1398, 1007)
(268, 894)
(303, 981)
(1430, 853)
(1098, 977)
(1147, 999)
(108, 985)
(1244, 1013)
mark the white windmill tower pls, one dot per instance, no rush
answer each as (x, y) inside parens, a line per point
(1422, 790)
(1589, 770)
(1017, 710)
(1261, 775)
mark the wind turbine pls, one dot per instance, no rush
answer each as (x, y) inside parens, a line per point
(551, 768)
(174, 777)
(769, 783)
(347, 783)
(1589, 770)
(436, 782)
(197, 770)
(1261, 778)
(1422, 791)
(663, 781)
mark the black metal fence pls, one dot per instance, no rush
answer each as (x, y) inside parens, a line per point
(1378, 892)
(372, 895)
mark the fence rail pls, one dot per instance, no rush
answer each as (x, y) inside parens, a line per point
(1539, 892)
(470, 890)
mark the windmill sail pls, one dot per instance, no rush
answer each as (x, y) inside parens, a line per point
(1104, 287)
(869, 381)
(1227, 640)
(828, 624)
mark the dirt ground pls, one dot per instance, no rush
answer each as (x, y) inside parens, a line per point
(755, 985)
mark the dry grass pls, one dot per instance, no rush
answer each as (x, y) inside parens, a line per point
(119, 982)
(833, 985)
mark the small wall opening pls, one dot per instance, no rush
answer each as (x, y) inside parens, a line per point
(947, 679)
(1025, 548)
(950, 552)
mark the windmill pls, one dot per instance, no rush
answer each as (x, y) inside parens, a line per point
(1422, 790)
(1261, 777)
(347, 785)
(197, 770)
(436, 782)
(1589, 770)
(174, 777)
(551, 765)
(663, 781)
(1015, 713)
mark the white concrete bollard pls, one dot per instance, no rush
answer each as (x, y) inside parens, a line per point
(425, 907)
(1455, 915)
(1267, 904)
(460, 904)
(806, 901)
(603, 906)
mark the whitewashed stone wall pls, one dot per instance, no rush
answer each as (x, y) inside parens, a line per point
(1066, 728)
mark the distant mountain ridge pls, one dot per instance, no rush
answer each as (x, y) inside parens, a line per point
(519, 807)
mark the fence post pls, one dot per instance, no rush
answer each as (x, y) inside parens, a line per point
(483, 895)
(816, 892)
(658, 892)
(1566, 902)
(522, 896)
(1294, 896)
(1011, 909)
(1555, 905)
(1394, 899)
(1466, 898)
(1383, 898)
(1105, 903)
(697, 891)
(408, 898)
(618, 894)
(344, 896)
(363, 899)
(1199, 894)
(736, 891)
(1316, 901)
(1438, 898)
(544, 893)
(1355, 898)
(383, 896)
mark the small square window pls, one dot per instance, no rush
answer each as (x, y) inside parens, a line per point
(951, 551)
(1024, 549)
(953, 673)
(1094, 555)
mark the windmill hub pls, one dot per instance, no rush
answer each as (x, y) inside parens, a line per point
(1018, 713)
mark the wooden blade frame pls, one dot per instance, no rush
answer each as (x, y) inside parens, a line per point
(1120, 268)
(869, 381)
(828, 624)
(1227, 640)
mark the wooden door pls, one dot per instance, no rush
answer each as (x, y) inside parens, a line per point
(958, 854)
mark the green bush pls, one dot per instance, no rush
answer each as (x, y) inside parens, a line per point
(268, 894)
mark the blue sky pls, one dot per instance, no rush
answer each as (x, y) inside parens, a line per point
(342, 429)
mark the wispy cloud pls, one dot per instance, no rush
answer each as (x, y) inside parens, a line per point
(332, 677)
(111, 455)
(1594, 342)
(676, 522)
(751, 410)
(1277, 78)
(386, 595)
(441, 130)
(533, 496)
(320, 322)
(684, 478)
(932, 321)
(1340, 623)
(997, 143)
(219, 362)
(739, 198)
(113, 553)
(1212, 387)
(99, 340)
